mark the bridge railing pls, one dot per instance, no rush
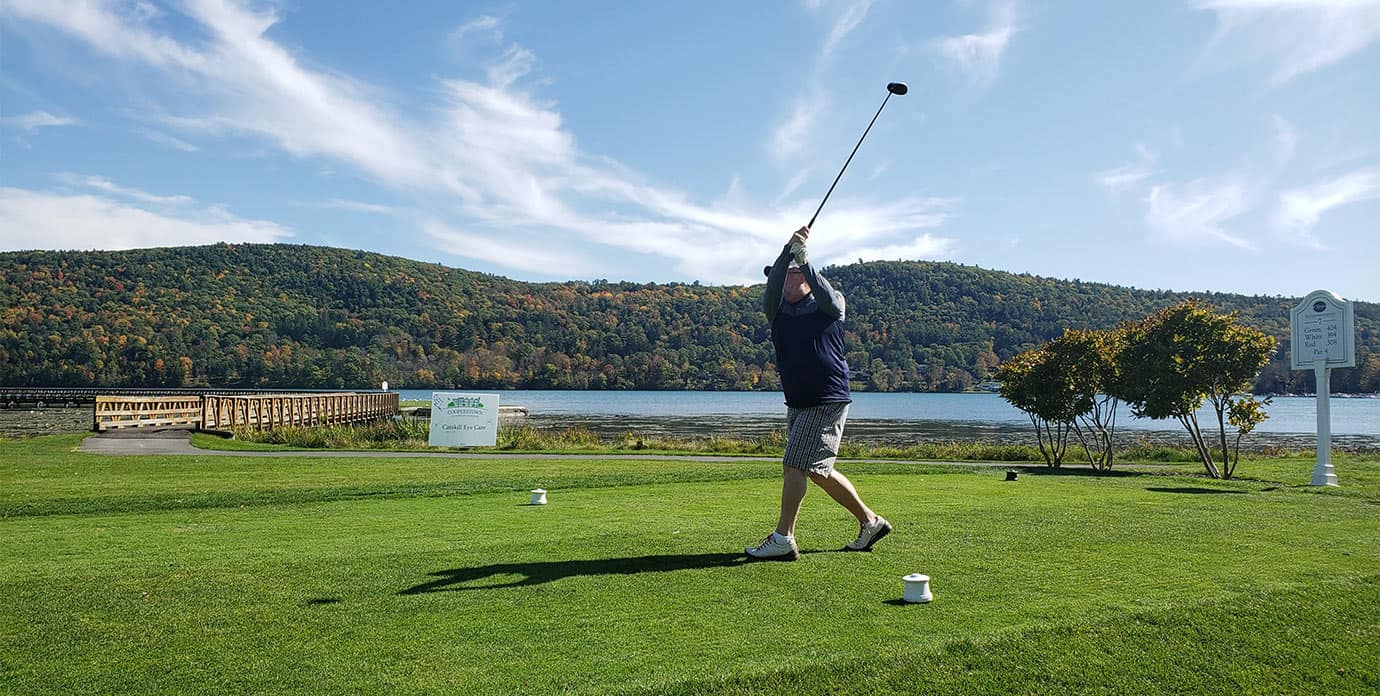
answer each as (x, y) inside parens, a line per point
(116, 412)
(224, 413)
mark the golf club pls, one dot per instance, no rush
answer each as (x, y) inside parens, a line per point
(891, 88)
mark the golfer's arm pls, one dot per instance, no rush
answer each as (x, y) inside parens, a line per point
(826, 297)
(776, 280)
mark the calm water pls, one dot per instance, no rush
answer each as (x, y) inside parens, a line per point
(898, 417)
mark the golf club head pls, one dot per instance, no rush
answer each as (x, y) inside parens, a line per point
(897, 88)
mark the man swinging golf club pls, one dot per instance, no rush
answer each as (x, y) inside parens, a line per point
(806, 316)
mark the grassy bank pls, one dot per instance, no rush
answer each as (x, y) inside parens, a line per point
(414, 575)
(408, 434)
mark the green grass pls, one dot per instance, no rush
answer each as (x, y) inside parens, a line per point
(412, 575)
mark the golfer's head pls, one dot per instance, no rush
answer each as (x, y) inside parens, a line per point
(795, 287)
(766, 270)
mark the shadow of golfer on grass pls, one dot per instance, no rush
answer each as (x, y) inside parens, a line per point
(1193, 490)
(457, 579)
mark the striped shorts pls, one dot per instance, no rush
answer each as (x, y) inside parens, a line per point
(813, 435)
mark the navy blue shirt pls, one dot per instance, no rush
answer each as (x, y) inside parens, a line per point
(808, 337)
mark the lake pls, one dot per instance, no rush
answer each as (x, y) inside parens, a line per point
(896, 417)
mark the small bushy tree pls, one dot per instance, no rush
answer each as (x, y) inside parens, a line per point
(1086, 360)
(1181, 356)
(1033, 382)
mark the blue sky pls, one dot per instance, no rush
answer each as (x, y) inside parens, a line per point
(1227, 145)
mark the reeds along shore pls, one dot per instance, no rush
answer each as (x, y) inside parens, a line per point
(408, 433)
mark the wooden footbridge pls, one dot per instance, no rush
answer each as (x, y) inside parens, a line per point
(217, 410)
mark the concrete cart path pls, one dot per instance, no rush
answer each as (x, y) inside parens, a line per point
(178, 442)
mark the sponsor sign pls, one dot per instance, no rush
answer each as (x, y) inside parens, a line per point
(463, 419)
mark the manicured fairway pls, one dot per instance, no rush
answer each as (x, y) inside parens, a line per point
(183, 575)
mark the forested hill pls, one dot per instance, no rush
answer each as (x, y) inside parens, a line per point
(316, 317)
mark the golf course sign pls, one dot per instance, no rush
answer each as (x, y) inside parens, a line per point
(462, 419)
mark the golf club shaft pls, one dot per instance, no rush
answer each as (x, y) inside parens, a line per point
(850, 159)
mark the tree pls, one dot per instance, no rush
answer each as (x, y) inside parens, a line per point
(1086, 362)
(1031, 382)
(1180, 356)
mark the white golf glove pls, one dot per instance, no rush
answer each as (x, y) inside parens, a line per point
(798, 252)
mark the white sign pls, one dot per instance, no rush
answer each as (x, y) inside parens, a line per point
(1324, 329)
(460, 419)
(1323, 337)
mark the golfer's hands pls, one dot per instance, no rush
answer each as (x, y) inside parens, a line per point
(797, 245)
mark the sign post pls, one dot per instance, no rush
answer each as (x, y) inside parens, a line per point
(1323, 336)
(463, 420)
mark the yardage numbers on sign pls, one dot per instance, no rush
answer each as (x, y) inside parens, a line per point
(1323, 330)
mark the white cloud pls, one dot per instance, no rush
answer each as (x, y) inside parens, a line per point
(1195, 212)
(36, 120)
(1298, 36)
(490, 165)
(924, 247)
(531, 257)
(488, 26)
(123, 36)
(164, 139)
(1125, 177)
(357, 206)
(1299, 210)
(37, 220)
(516, 63)
(791, 137)
(1129, 176)
(979, 55)
(847, 21)
(102, 184)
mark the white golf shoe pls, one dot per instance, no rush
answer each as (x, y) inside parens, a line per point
(775, 548)
(871, 533)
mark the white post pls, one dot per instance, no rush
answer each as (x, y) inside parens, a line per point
(1323, 474)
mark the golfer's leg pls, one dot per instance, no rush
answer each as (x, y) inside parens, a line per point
(841, 490)
(793, 487)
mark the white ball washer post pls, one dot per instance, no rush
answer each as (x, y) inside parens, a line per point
(917, 589)
(538, 497)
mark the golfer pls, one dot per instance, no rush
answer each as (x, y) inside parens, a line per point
(806, 317)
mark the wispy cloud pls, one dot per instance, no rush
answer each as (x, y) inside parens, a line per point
(490, 164)
(36, 120)
(39, 220)
(516, 62)
(533, 258)
(1129, 176)
(356, 206)
(1195, 212)
(1298, 211)
(107, 186)
(923, 247)
(1199, 211)
(164, 139)
(979, 55)
(792, 135)
(488, 26)
(847, 21)
(1298, 36)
